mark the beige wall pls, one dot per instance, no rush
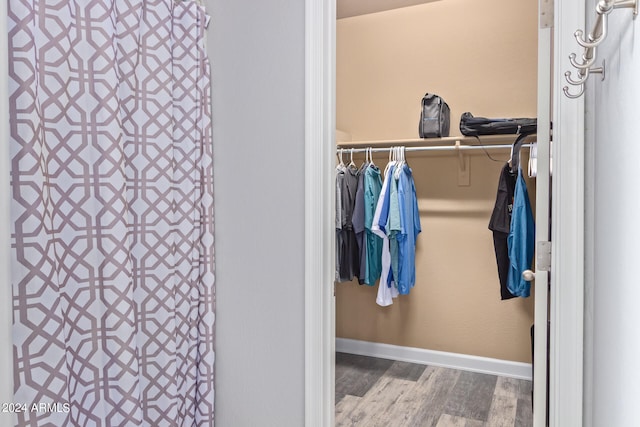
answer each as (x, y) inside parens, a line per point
(480, 57)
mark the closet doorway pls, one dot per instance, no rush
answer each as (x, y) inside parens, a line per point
(567, 212)
(486, 59)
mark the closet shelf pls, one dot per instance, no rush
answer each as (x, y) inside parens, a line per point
(449, 140)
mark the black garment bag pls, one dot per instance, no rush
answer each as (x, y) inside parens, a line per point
(474, 126)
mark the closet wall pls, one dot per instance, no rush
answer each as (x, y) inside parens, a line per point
(480, 57)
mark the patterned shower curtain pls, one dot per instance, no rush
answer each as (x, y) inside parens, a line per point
(112, 210)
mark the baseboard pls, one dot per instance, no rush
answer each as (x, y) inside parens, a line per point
(465, 362)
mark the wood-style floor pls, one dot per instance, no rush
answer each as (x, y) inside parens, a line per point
(373, 392)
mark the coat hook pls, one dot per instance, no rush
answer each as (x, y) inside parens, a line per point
(583, 75)
(592, 43)
(588, 62)
(581, 82)
(595, 37)
(569, 95)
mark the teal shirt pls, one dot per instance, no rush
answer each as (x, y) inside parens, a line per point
(372, 189)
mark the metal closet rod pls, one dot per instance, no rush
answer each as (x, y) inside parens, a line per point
(430, 148)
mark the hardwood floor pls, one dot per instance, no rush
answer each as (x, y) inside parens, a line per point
(372, 392)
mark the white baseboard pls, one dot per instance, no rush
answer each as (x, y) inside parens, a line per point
(465, 362)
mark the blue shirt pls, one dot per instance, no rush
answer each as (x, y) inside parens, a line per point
(521, 239)
(410, 228)
(384, 212)
(394, 229)
(383, 219)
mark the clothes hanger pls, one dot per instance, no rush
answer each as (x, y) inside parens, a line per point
(533, 160)
(389, 163)
(372, 163)
(395, 160)
(514, 161)
(339, 154)
(400, 162)
(366, 159)
(351, 162)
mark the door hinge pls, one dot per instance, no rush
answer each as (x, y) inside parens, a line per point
(546, 13)
(543, 256)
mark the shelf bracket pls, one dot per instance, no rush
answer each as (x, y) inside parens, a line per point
(463, 167)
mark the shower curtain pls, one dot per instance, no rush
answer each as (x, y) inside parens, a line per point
(112, 212)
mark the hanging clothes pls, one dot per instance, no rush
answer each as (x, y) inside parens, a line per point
(521, 240)
(500, 225)
(394, 228)
(358, 224)
(386, 288)
(410, 228)
(381, 221)
(372, 189)
(347, 253)
(338, 222)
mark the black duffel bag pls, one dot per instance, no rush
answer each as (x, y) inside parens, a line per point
(473, 126)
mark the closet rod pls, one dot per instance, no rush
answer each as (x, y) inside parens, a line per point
(430, 148)
(447, 140)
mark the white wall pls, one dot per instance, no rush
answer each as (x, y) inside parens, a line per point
(612, 312)
(257, 53)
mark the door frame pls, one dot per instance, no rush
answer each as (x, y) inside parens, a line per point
(567, 213)
(568, 227)
(320, 112)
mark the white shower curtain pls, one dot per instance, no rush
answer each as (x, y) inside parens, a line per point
(112, 213)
